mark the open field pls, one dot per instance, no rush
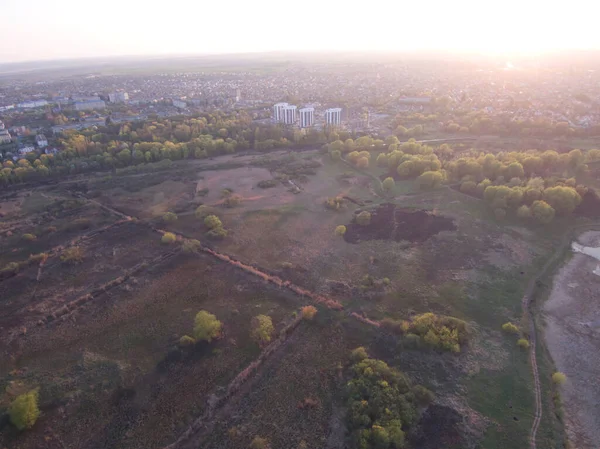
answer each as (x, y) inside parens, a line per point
(109, 368)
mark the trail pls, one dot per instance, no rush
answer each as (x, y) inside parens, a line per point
(529, 313)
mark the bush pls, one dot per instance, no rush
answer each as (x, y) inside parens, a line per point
(359, 354)
(559, 378)
(233, 200)
(423, 395)
(24, 410)
(309, 312)
(260, 443)
(169, 217)
(217, 233)
(186, 341)
(11, 267)
(212, 221)
(524, 212)
(72, 255)
(468, 187)
(335, 203)
(262, 329)
(168, 238)
(191, 246)
(206, 326)
(397, 327)
(364, 218)
(510, 328)
(388, 183)
(340, 230)
(202, 212)
(266, 184)
(29, 237)
(523, 343)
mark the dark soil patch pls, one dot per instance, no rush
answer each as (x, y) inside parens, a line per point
(439, 427)
(589, 206)
(389, 222)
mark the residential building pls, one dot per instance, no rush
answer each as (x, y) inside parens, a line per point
(118, 97)
(27, 149)
(90, 105)
(278, 111)
(41, 141)
(289, 114)
(307, 117)
(1, 124)
(333, 116)
(179, 104)
(5, 136)
(33, 104)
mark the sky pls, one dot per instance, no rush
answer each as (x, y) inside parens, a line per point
(60, 29)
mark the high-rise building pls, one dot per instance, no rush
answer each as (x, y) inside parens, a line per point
(118, 97)
(238, 95)
(307, 117)
(289, 114)
(278, 111)
(333, 116)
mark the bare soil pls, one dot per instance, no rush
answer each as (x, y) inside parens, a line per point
(573, 339)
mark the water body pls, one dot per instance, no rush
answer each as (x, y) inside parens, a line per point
(590, 251)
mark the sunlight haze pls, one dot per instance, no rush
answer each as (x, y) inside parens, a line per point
(72, 29)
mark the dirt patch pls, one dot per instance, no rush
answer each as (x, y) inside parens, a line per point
(388, 222)
(572, 336)
(439, 427)
(589, 206)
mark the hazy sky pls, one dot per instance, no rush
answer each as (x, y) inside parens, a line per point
(42, 29)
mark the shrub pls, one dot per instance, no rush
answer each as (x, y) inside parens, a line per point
(217, 233)
(309, 312)
(169, 217)
(359, 354)
(388, 183)
(364, 218)
(524, 212)
(362, 162)
(11, 267)
(266, 184)
(72, 255)
(206, 326)
(24, 410)
(28, 237)
(340, 230)
(542, 212)
(423, 395)
(334, 203)
(523, 343)
(260, 443)
(202, 212)
(233, 200)
(212, 221)
(559, 378)
(510, 328)
(397, 327)
(335, 155)
(468, 187)
(191, 246)
(186, 341)
(168, 238)
(262, 329)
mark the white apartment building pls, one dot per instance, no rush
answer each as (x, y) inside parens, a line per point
(118, 97)
(278, 111)
(289, 114)
(41, 141)
(333, 116)
(179, 104)
(5, 136)
(307, 117)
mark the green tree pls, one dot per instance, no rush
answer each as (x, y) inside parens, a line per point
(542, 212)
(262, 329)
(212, 222)
(24, 410)
(510, 328)
(359, 354)
(169, 217)
(168, 238)
(563, 199)
(523, 343)
(559, 378)
(206, 326)
(340, 230)
(524, 212)
(430, 180)
(388, 184)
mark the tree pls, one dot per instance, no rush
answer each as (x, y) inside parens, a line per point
(24, 410)
(212, 222)
(364, 218)
(73, 255)
(389, 183)
(206, 326)
(169, 217)
(359, 354)
(563, 199)
(523, 343)
(309, 312)
(524, 212)
(336, 155)
(542, 212)
(202, 212)
(262, 329)
(559, 378)
(340, 230)
(510, 328)
(29, 237)
(168, 238)
(186, 341)
(362, 162)
(430, 180)
(468, 187)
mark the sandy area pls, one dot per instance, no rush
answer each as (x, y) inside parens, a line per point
(572, 333)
